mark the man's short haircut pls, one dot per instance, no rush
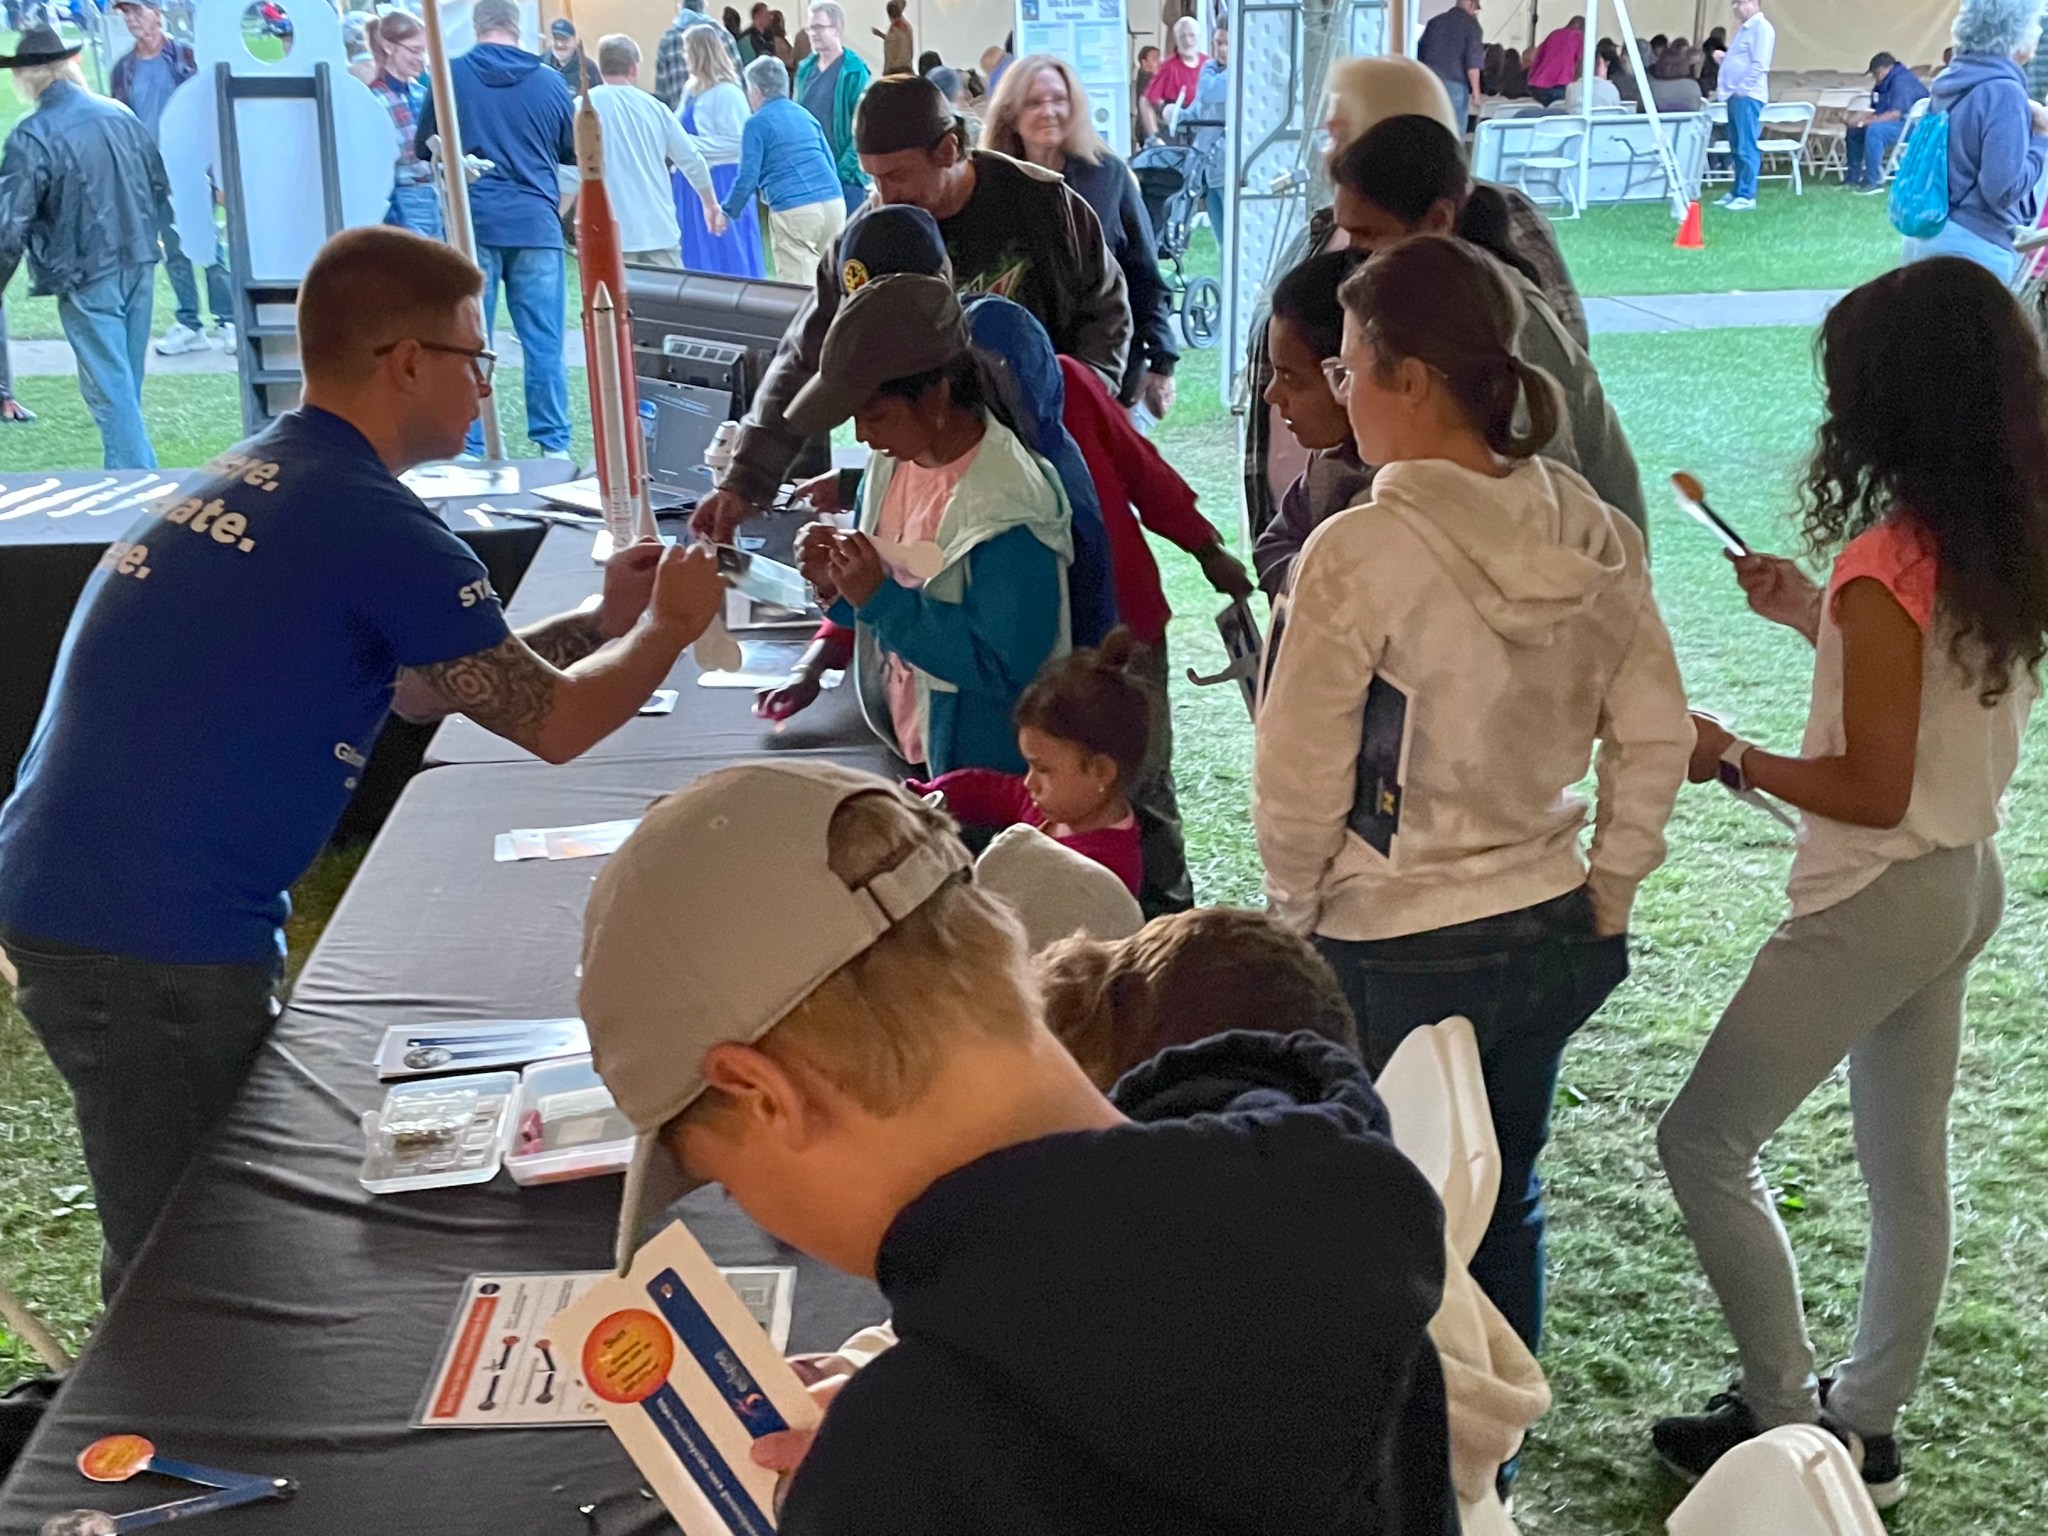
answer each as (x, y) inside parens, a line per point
(1149, 48)
(881, 1027)
(374, 285)
(759, 12)
(1879, 63)
(617, 54)
(495, 16)
(832, 13)
(1183, 978)
(768, 76)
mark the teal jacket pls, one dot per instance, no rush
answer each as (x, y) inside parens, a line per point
(978, 632)
(853, 79)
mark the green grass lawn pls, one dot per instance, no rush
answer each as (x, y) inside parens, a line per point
(1828, 238)
(1634, 1330)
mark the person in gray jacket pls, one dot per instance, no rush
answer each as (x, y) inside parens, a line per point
(82, 195)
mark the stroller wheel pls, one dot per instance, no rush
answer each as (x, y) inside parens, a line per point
(1201, 313)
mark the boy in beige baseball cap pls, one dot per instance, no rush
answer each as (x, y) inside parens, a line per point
(795, 988)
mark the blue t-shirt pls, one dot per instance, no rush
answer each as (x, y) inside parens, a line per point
(225, 675)
(149, 89)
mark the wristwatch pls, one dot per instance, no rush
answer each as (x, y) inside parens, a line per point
(1731, 765)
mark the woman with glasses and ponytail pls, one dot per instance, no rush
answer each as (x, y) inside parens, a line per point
(1450, 659)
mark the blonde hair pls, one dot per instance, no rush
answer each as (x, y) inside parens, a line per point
(709, 63)
(31, 80)
(999, 121)
(881, 1027)
(1368, 91)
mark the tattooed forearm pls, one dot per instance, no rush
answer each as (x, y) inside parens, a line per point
(566, 639)
(507, 689)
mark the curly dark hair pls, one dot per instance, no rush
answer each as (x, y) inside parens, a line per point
(1937, 410)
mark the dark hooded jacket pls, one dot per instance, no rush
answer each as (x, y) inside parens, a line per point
(1209, 1322)
(518, 114)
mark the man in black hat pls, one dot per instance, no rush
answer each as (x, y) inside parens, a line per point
(82, 195)
(567, 58)
(1010, 229)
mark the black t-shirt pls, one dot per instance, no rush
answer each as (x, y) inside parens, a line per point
(1017, 237)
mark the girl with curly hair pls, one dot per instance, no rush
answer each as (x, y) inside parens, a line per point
(1928, 638)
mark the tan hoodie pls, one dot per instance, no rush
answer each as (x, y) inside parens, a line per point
(1516, 615)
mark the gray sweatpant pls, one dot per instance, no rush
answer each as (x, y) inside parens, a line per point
(1878, 978)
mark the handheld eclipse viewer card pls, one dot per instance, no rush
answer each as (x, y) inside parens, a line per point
(688, 1382)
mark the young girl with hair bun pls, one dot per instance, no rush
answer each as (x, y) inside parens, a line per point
(1083, 730)
(1451, 657)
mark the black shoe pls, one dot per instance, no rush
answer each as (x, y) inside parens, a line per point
(1876, 1456)
(1689, 1444)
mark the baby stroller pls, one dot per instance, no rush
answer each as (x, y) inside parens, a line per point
(1168, 180)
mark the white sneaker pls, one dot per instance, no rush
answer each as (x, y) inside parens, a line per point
(1739, 204)
(224, 336)
(178, 340)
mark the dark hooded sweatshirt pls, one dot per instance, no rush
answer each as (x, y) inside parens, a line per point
(518, 114)
(1209, 1325)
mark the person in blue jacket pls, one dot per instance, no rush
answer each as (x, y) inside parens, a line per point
(940, 660)
(518, 114)
(1871, 137)
(1997, 136)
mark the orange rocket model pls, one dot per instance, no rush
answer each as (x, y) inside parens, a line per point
(608, 343)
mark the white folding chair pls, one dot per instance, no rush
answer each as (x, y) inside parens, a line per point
(1781, 132)
(1435, 1095)
(1547, 148)
(1793, 1481)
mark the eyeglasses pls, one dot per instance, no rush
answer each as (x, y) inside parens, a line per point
(1337, 374)
(482, 360)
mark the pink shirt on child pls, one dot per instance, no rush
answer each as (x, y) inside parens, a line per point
(913, 506)
(982, 797)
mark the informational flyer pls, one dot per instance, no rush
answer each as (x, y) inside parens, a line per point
(592, 840)
(504, 1364)
(688, 1381)
(1091, 36)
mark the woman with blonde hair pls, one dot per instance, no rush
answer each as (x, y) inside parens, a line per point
(1040, 115)
(714, 114)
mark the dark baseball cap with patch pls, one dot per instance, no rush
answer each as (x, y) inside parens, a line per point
(563, 27)
(895, 327)
(888, 239)
(901, 112)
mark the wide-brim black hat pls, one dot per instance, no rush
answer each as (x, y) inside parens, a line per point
(39, 45)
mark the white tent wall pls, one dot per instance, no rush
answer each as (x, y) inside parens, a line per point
(1812, 34)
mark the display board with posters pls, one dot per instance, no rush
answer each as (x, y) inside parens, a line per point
(1090, 35)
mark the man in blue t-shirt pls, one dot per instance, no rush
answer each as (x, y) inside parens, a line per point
(226, 672)
(1871, 135)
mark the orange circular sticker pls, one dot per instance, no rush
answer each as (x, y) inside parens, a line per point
(115, 1458)
(627, 1356)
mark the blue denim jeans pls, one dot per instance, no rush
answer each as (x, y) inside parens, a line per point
(185, 287)
(416, 206)
(532, 277)
(1865, 149)
(107, 324)
(1744, 115)
(1528, 981)
(854, 196)
(154, 1055)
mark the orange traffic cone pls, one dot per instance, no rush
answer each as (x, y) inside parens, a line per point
(1689, 236)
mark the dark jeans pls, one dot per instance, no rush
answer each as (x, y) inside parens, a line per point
(1527, 980)
(154, 1055)
(1548, 95)
(1167, 887)
(185, 286)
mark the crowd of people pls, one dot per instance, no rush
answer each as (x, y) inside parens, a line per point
(1061, 1166)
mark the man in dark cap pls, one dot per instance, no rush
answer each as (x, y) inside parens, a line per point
(1009, 228)
(567, 58)
(82, 195)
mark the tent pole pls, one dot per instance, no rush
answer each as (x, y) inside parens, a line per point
(455, 184)
(1681, 195)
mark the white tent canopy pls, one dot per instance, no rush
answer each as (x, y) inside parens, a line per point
(1812, 34)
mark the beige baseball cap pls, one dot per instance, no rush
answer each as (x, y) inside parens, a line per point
(715, 918)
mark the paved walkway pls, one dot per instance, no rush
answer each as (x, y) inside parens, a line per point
(1657, 312)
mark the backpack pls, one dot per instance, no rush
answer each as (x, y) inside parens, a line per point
(1919, 196)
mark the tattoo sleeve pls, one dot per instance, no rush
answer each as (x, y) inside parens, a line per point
(564, 640)
(508, 689)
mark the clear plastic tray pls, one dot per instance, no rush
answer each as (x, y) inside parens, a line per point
(564, 1114)
(437, 1132)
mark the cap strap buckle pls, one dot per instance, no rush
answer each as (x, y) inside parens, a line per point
(896, 893)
